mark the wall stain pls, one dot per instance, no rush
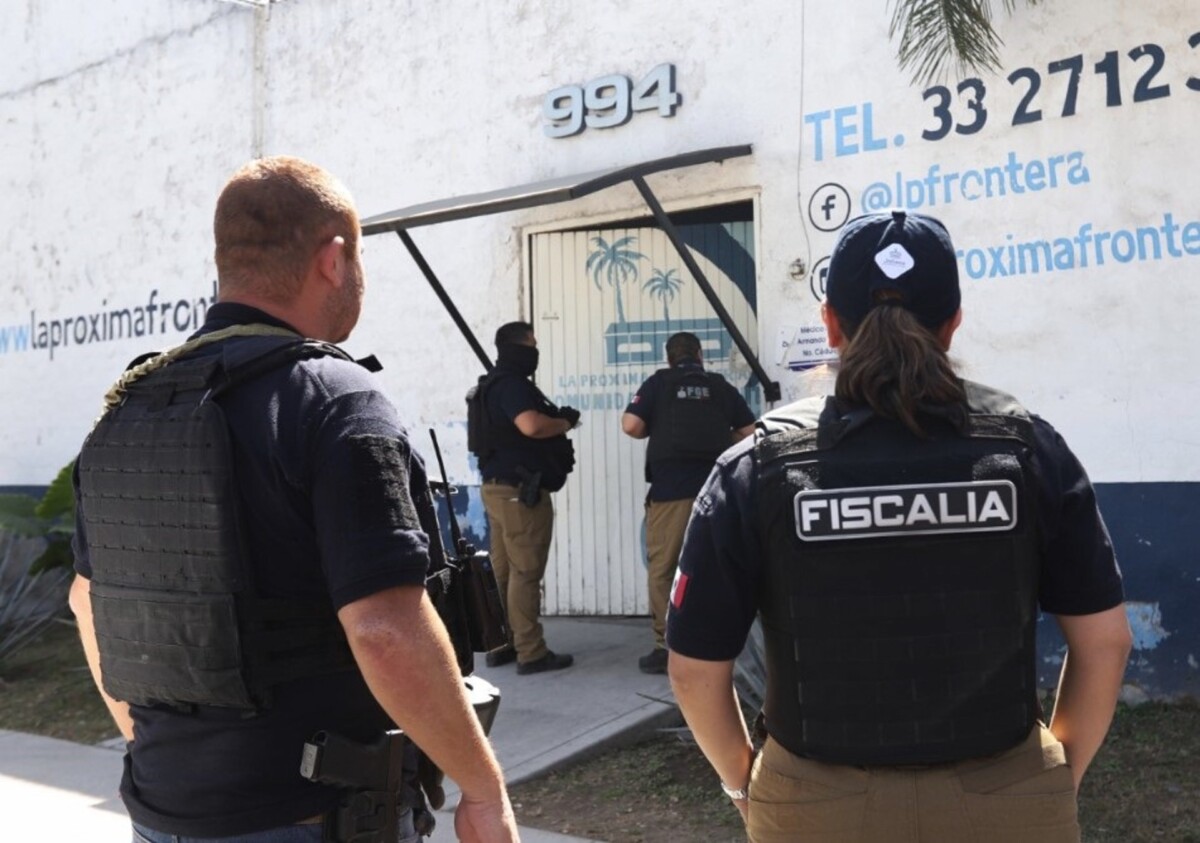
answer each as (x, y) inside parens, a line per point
(1145, 619)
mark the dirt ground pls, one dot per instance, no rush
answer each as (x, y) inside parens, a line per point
(655, 792)
(1144, 786)
(46, 689)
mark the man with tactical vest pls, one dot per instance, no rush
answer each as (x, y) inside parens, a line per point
(520, 440)
(897, 540)
(691, 416)
(251, 556)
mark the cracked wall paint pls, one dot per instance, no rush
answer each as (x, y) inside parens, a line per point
(1145, 619)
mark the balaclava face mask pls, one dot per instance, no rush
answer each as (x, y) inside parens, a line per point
(522, 358)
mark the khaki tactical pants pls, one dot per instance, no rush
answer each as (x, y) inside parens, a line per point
(520, 539)
(665, 524)
(1023, 795)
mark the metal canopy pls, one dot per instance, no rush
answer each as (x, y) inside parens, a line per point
(564, 189)
(537, 193)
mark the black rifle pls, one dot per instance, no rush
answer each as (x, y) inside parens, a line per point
(472, 568)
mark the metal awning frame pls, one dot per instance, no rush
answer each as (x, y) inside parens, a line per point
(562, 190)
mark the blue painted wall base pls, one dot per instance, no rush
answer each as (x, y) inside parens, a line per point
(1156, 534)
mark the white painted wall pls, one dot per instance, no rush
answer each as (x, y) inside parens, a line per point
(120, 120)
(1101, 351)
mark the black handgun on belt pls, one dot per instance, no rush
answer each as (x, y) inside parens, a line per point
(372, 774)
(529, 492)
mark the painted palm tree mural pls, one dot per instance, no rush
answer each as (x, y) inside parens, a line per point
(613, 257)
(664, 285)
(618, 263)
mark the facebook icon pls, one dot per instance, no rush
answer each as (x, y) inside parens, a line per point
(829, 207)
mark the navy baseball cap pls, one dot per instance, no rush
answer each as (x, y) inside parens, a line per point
(909, 254)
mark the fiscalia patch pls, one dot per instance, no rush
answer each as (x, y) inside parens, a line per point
(868, 512)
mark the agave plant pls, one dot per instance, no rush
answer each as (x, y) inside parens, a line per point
(35, 561)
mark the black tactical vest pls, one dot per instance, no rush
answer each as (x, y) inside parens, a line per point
(901, 598)
(176, 614)
(554, 457)
(485, 434)
(691, 418)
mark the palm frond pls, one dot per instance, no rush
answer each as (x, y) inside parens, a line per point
(60, 496)
(937, 33)
(663, 284)
(596, 261)
(57, 554)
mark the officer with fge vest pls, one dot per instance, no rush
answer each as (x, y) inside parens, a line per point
(897, 540)
(690, 416)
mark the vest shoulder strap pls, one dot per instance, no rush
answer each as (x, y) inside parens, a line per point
(277, 353)
(985, 400)
(790, 429)
(996, 415)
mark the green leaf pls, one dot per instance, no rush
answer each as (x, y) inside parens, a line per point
(60, 497)
(56, 555)
(936, 33)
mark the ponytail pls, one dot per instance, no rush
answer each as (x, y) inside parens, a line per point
(896, 366)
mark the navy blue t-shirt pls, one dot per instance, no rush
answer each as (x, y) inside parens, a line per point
(714, 600)
(679, 479)
(507, 397)
(320, 524)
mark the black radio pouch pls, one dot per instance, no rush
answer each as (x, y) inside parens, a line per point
(483, 602)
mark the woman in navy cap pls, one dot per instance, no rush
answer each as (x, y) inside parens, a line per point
(898, 539)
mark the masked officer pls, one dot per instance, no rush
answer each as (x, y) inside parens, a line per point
(250, 563)
(898, 539)
(519, 438)
(691, 417)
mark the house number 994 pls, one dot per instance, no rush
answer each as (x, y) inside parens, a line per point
(608, 101)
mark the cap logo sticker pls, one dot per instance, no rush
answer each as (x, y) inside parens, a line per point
(894, 261)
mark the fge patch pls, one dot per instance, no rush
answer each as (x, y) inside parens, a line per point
(870, 512)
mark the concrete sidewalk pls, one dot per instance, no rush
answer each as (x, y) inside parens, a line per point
(545, 721)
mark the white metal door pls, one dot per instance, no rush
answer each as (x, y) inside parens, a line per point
(604, 303)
